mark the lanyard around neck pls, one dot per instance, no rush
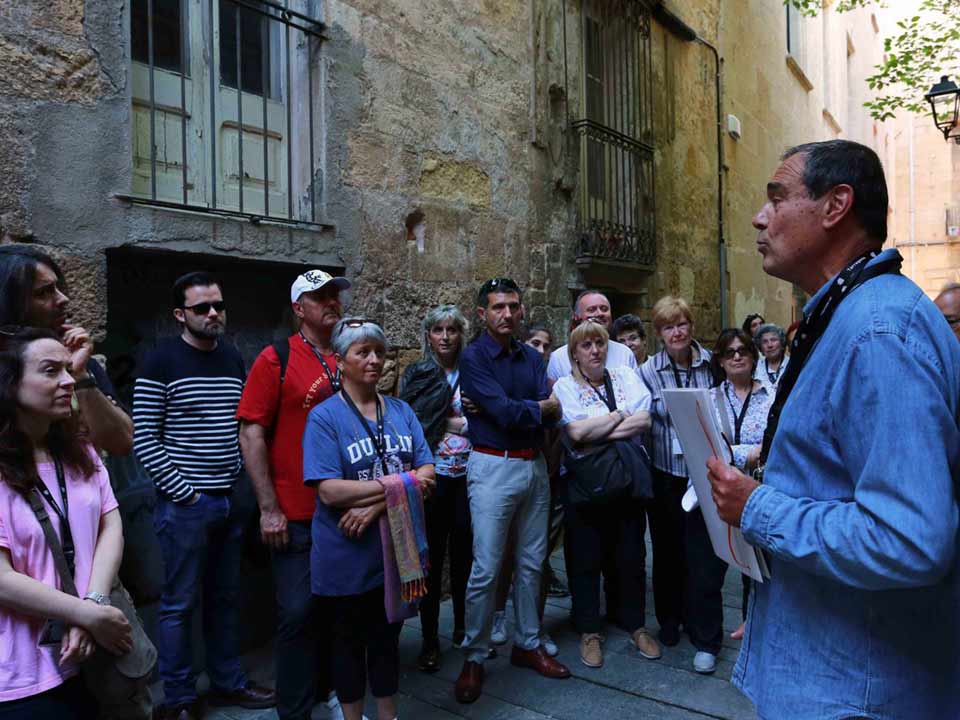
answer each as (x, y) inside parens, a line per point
(737, 419)
(379, 441)
(334, 378)
(814, 325)
(66, 536)
(676, 371)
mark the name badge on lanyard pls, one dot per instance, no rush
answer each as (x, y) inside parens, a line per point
(675, 444)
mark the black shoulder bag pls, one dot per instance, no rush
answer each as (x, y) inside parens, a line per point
(616, 472)
(118, 683)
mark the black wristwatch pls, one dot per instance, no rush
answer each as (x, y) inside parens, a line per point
(85, 383)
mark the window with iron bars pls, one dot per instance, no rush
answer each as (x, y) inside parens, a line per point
(227, 105)
(614, 127)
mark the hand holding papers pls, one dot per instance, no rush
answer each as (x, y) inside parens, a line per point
(694, 418)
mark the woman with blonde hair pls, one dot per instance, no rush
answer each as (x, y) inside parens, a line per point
(601, 406)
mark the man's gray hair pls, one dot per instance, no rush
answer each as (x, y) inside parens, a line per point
(770, 328)
(437, 315)
(345, 334)
(581, 296)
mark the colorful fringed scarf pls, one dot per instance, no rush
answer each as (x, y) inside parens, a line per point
(403, 534)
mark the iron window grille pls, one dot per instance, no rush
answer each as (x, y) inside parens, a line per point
(222, 92)
(613, 124)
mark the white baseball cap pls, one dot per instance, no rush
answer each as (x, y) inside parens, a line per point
(314, 280)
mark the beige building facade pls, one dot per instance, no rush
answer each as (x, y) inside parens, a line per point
(418, 147)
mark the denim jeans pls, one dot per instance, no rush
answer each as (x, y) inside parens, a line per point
(303, 649)
(202, 545)
(504, 491)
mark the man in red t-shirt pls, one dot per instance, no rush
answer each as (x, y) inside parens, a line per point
(278, 396)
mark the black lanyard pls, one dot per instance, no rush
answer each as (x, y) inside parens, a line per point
(66, 536)
(737, 419)
(379, 441)
(815, 324)
(676, 372)
(334, 378)
(606, 397)
(774, 376)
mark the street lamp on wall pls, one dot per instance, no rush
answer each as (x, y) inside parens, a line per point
(944, 99)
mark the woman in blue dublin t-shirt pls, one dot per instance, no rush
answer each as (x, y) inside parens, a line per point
(358, 435)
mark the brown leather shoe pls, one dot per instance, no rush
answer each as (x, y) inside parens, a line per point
(189, 711)
(470, 683)
(645, 644)
(538, 660)
(252, 697)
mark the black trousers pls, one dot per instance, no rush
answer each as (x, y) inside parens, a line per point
(68, 701)
(668, 537)
(448, 523)
(303, 637)
(592, 535)
(365, 645)
(704, 588)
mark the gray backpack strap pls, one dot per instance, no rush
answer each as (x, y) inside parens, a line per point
(53, 542)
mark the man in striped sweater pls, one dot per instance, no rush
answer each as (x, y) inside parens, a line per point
(184, 406)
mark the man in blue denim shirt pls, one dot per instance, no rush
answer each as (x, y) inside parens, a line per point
(858, 511)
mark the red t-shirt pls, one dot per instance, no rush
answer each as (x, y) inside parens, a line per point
(285, 410)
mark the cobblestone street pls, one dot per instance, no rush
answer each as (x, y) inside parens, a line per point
(627, 686)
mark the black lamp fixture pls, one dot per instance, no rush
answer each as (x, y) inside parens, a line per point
(944, 99)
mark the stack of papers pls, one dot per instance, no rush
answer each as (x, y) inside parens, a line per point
(694, 417)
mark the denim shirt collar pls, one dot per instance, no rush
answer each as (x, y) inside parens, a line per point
(812, 302)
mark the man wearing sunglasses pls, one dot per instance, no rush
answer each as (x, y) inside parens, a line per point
(949, 303)
(185, 435)
(507, 482)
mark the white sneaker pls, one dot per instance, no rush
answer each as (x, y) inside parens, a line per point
(704, 662)
(548, 644)
(333, 705)
(498, 636)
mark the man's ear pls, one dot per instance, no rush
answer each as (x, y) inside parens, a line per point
(179, 315)
(297, 309)
(837, 204)
(481, 314)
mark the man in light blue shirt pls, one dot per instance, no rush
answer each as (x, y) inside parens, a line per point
(858, 509)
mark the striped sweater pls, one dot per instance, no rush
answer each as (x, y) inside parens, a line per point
(184, 407)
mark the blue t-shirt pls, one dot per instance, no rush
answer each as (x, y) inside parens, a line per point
(335, 446)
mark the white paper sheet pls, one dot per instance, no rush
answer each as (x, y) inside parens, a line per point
(694, 418)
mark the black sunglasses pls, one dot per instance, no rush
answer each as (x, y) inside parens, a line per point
(730, 353)
(204, 307)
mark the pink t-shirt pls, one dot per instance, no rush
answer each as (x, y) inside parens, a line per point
(26, 669)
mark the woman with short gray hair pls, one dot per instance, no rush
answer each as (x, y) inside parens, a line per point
(432, 387)
(353, 439)
(771, 341)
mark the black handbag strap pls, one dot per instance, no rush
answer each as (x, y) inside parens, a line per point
(607, 397)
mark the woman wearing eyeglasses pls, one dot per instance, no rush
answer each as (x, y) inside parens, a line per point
(744, 404)
(432, 387)
(683, 558)
(771, 341)
(44, 632)
(352, 439)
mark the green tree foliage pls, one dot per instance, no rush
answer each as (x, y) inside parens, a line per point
(921, 49)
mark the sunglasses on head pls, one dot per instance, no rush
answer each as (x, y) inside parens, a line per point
(204, 307)
(501, 282)
(352, 323)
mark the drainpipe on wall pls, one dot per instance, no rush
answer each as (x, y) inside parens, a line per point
(678, 28)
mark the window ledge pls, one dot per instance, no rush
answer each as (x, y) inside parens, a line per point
(832, 121)
(798, 72)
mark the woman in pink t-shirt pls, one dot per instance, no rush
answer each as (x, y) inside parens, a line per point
(46, 633)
